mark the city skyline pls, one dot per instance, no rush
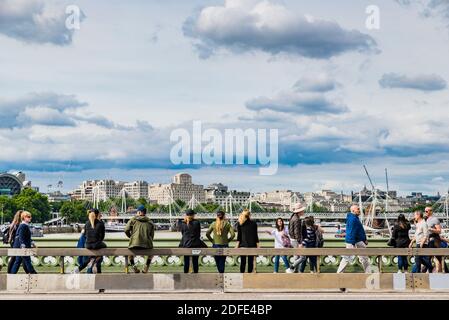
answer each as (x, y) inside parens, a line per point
(101, 101)
(232, 187)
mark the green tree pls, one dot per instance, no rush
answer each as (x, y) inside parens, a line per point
(317, 208)
(142, 201)
(180, 203)
(74, 211)
(56, 206)
(34, 202)
(7, 208)
(255, 207)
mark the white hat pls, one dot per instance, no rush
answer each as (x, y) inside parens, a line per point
(298, 207)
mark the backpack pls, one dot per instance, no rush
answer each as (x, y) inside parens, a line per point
(319, 238)
(5, 235)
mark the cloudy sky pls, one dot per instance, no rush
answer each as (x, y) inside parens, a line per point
(101, 101)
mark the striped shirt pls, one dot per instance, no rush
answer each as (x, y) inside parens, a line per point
(310, 239)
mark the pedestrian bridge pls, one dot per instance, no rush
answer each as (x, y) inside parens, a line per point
(269, 215)
(230, 282)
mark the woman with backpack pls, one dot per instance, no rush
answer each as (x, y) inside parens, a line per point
(11, 235)
(247, 237)
(95, 233)
(281, 240)
(191, 238)
(223, 234)
(401, 239)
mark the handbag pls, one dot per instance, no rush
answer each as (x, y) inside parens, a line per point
(391, 242)
(286, 242)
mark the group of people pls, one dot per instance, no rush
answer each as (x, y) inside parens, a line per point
(302, 232)
(427, 235)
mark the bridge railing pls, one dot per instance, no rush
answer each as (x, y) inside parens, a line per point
(379, 256)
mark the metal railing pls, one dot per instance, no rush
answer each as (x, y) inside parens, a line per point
(379, 253)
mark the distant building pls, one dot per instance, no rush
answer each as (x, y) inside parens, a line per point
(57, 196)
(219, 194)
(12, 183)
(282, 197)
(137, 189)
(104, 189)
(181, 188)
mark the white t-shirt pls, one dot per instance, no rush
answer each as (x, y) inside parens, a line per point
(278, 237)
(421, 232)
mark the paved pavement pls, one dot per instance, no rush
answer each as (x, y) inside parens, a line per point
(230, 296)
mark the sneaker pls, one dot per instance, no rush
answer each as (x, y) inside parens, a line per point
(90, 264)
(399, 271)
(135, 269)
(94, 267)
(289, 270)
(343, 289)
(145, 269)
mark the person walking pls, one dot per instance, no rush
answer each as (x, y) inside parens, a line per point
(23, 240)
(401, 238)
(355, 238)
(247, 237)
(140, 231)
(191, 238)
(434, 227)
(12, 231)
(281, 240)
(309, 241)
(296, 228)
(95, 233)
(421, 238)
(223, 234)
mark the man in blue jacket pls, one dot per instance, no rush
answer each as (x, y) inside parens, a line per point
(355, 238)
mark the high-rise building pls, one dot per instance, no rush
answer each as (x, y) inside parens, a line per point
(103, 189)
(181, 188)
(137, 189)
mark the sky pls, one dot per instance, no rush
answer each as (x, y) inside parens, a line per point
(101, 101)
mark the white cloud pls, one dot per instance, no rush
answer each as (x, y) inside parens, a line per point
(32, 21)
(272, 28)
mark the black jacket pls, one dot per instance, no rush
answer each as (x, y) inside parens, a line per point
(247, 234)
(95, 236)
(400, 235)
(191, 234)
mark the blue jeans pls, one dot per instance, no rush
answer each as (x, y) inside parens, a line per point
(402, 263)
(97, 261)
(419, 260)
(220, 261)
(276, 263)
(27, 265)
(312, 261)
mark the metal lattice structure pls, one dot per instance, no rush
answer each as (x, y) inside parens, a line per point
(10, 184)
